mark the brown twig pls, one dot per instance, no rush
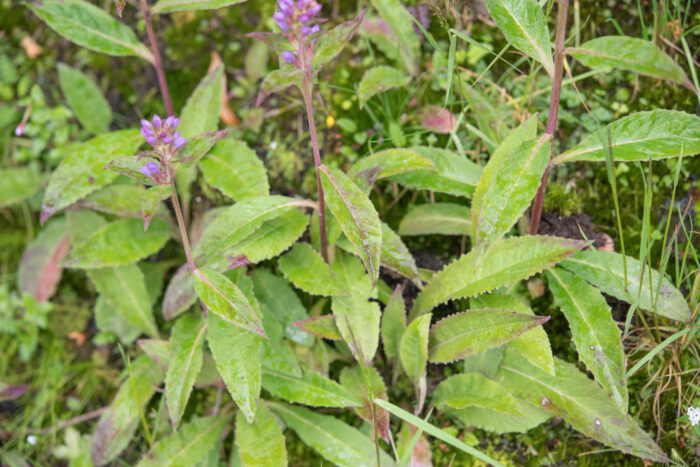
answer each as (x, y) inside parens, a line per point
(70, 422)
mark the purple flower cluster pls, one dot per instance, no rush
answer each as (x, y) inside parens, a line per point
(293, 16)
(161, 134)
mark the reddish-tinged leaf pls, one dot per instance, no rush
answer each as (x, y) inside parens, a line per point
(438, 119)
(321, 326)
(40, 269)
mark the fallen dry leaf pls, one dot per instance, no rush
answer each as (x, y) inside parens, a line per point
(225, 112)
(30, 46)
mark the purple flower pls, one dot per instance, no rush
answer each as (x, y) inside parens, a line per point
(288, 56)
(161, 134)
(151, 169)
(293, 17)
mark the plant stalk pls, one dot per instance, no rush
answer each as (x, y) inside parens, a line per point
(183, 228)
(158, 63)
(553, 109)
(306, 92)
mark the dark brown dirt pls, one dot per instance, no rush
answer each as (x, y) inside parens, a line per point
(553, 223)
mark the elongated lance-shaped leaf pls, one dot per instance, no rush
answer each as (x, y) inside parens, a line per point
(505, 262)
(533, 345)
(356, 215)
(118, 243)
(309, 389)
(261, 441)
(235, 170)
(579, 401)
(238, 222)
(277, 81)
(437, 219)
(179, 294)
(305, 268)
(272, 238)
(597, 337)
(223, 298)
(474, 331)
(658, 134)
(451, 174)
(333, 439)
(90, 27)
(524, 132)
(201, 111)
(629, 53)
(606, 270)
(500, 422)
(474, 390)
(401, 23)
(121, 200)
(237, 353)
(169, 6)
(85, 98)
(393, 323)
(197, 147)
(331, 43)
(40, 267)
(150, 202)
(356, 380)
(320, 326)
(187, 446)
(525, 27)
(18, 184)
(511, 190)
(413, 348)
(386, 163)
(125, 290)
(116, 427)
(357, 318)
(380, 79)
(80, 172)
(276, 352)
(184, 363)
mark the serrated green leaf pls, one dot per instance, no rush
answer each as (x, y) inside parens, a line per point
(579, 401)
(595, 334)
(320, 326)
(40, 266)
(150, 202)
(18, 184)
(486, 363)
(237, 223)
(606, 271)
(277, 81)
(355, 379)
(386, 163)
(357, 318)
(187, 446)
(197, 147)
(184, 363)
(629, 53)
(330, 43)
(82, 224)
(413, 348)
(525, 27)
(336, 441)
(380, 79)
(118, 243)
(131, 167)
(261, 442)
(452, 174)
(534, 344)
(524, 132)
(125, 290)
(201, 111)
(474, 390)
(234, 169)
(309, 389)
(658, 134)
(283, 303)
(90, 27)
(396, 257)
(224, 299)
(437, 219)
(169, 6)
(179, 294)
(80, 172)
(505, 262)
(237, 353)
(108, 320)
(304, 267)
(116, 427)
(401, 23)
(85, 98)
(499, 422)
(273, 237)
(356, 215)
(393, 323)
(463, 334)
(121, 200)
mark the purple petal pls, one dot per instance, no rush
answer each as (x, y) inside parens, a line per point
(288, 56)
(169, 121)
(156, 120)
(168, 139)
(179, 141)
(283, 26)
(315, 9)
(146, 132)
(176, 122)
(304, 18)
(150, 169)
(279, 16)
(151, 139)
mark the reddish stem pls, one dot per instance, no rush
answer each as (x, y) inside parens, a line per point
(158, 64)
(553, 110)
